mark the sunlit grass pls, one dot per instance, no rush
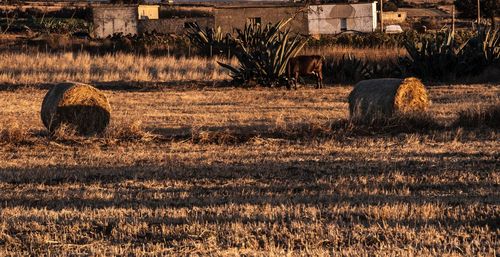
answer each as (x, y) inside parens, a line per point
(49, 68)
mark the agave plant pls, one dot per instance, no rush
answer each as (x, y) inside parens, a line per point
(435, 57)
(384, 69)
(490, 38)
(209, 41)
(481, 51)
(263, 53)
(442, 57)
(347, 69)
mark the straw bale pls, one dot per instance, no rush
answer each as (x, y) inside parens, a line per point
(382, 98)
(78, 105)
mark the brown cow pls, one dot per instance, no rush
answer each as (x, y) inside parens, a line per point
(305, 65)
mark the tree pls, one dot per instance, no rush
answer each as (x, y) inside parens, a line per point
(125, 1)
(390, 7)
(468, 8)
(398, 3)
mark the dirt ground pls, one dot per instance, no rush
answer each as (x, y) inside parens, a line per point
(170, 177)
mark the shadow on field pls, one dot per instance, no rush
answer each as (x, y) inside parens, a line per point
(129, 86)
(294, 176)
(333, 165)
(340, 129)
(346, 180)
(239, 134)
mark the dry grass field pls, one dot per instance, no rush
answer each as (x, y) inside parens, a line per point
(254, 172)
(32, 69)
(35, 68)
(372, 54)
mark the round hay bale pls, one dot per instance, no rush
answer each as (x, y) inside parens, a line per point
(382, 98)
(78, 105)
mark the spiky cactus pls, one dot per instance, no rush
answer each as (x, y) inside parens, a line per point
(440, 56)
(434, 57)
(263, 53)
(346, 69)
(481, 51)
(209, 41)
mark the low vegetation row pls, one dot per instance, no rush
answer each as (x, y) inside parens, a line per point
(264, 52)
(55, 35)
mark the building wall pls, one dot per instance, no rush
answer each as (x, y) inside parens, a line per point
(109, 20)
(229, 18)
(148, 12)
(327, 19)
(375, 16)
(394, 17)
(173, 25)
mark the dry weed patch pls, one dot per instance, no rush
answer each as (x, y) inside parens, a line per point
(65, 132)
(129, 131)
(13, 133)
(407, 123)
(479, 117)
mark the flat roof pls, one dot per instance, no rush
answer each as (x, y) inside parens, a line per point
(424, 12)
(233, 5)
(236, 5)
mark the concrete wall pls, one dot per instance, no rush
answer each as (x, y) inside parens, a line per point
(229, 18)
(109, 20)
(148, 12)
(326, 19)
(174, 25)
(394, 17)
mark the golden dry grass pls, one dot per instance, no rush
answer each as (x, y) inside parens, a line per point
(43, 68)
(29, 69)
(371, 54)
(424, 194)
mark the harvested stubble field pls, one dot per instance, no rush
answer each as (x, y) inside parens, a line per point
(224, 172)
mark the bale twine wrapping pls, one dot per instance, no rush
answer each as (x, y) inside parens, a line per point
(78, 105)
(382, 98)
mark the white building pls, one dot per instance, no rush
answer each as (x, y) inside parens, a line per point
(336, 18)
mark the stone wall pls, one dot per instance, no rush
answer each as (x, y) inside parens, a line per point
(112, 19)
(173, 25)
(394, 17)
(229, 18)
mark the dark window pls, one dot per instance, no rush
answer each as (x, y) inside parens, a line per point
(343, 24)
(254, 20)
(399, 15)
